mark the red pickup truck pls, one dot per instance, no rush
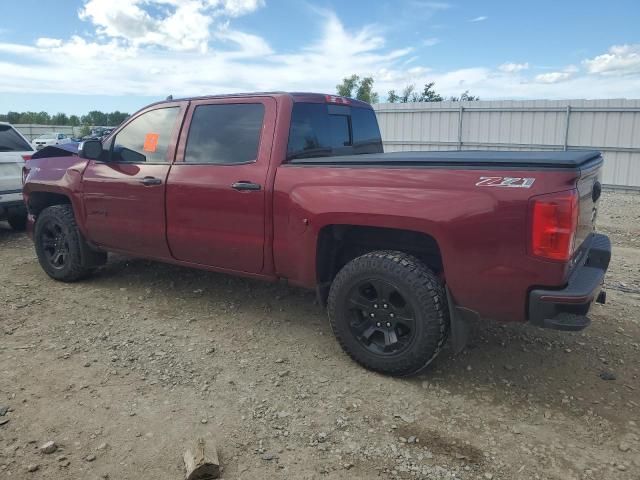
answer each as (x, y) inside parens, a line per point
(404, 248)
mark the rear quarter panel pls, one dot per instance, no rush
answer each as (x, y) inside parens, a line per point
(482, 232)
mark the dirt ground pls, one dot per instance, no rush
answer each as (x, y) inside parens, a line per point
(126, 369)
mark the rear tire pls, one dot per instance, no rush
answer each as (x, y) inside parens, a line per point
(389, 312)
(62, 251)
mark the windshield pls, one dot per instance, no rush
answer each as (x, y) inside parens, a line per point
(10, 141)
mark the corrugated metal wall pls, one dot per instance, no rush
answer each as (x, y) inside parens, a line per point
(612, 126)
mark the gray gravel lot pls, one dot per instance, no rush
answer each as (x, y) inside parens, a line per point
(125, 370)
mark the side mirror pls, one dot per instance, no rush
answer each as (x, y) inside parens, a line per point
(90, 149)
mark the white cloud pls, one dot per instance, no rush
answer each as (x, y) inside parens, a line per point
(552, 77)
(156, 47)
(235, 8)
(481, 18)
(45, 42)
(430, 42)
(183, 25)
(431, 5)
(619, 60)
(513, 67)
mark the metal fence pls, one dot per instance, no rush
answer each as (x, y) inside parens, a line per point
(611, 126)
(32, 131)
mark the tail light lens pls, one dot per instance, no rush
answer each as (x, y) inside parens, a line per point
(554, 220)
(26, 157)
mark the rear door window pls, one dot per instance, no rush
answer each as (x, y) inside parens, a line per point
(11, 141)
(321, 130)
(225, 134)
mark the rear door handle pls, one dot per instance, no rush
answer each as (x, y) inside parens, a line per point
(244, 185)
(151, 181)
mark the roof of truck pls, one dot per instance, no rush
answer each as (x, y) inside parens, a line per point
(296, 96)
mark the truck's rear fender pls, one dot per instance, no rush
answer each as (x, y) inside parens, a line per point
(480, 233)
(338, 244)
(318, 229)
(55, 181)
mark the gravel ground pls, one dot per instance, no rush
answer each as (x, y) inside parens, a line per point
(125, 370)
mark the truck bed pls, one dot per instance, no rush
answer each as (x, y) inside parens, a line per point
(466, 158)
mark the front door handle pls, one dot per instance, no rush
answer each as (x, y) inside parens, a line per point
(244, 185)
(151, 181)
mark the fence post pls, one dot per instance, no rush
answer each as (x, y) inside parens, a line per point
(460, 113)
(566, 127)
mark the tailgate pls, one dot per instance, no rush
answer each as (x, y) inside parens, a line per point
(589, 191)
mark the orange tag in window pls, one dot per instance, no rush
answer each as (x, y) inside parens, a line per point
(151, 142)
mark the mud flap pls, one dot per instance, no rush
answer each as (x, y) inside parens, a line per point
(460, 327)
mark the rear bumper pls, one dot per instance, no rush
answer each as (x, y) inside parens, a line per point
(11, 203)
(567, 309)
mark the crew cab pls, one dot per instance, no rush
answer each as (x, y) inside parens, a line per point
(14, 151)
(403, 248)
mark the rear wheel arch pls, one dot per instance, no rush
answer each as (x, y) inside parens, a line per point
(338, 244)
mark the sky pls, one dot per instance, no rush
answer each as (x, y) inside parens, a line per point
(73, 56)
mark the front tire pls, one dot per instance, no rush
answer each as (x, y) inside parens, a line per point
(62, 251)
(389, 312)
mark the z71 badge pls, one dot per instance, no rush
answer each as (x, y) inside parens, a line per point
(511, 182)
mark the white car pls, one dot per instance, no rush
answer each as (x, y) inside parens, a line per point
(53, 138)
(14, 151)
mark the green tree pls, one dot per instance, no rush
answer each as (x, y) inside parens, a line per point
(353, 87)
(27, 117)
(60, 119)
(429, 94)
(116, 118)
(365, 91)
(409, 94)
(13, 117)
(42, 118)
(95, 118)
(465, 97)
(348, 85)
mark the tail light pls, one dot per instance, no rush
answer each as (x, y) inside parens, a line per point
(554, 220)
(26, 157)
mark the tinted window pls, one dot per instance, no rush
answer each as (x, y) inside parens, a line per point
(321, 130)
(10, 141)
(225, 134)
(146, 138)
(366, 134)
